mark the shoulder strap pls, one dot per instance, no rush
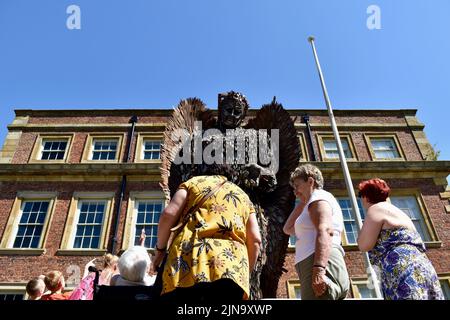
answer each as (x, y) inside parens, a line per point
(185, 218)
(206, 197)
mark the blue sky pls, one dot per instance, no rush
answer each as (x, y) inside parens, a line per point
(151, 54)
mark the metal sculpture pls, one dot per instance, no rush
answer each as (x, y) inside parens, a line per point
(193, 129)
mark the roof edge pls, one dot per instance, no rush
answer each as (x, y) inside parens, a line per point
(168, 112)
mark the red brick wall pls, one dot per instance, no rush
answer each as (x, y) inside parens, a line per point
(405, 137)
(361, 118)
(132, 148)
(353, 260)
(409, 146)
(78, 145)
(107, 119)
(24, 147)
(23, 268)
(361, 149)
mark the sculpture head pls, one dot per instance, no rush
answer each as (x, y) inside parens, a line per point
(233, 108)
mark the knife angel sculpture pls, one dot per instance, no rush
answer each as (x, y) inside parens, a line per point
(262, 149)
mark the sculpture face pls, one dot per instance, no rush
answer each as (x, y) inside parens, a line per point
(232, 114)
(232, 109)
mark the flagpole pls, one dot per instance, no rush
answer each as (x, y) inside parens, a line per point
(347, 178)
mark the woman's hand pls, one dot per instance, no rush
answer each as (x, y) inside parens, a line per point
(86, 267)
(90, 264)
(156, 260)
(142, 238)
(319, 284)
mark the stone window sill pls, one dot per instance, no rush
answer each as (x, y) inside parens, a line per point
(21, 252)
(80, 252)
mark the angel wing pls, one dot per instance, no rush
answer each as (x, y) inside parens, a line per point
(278, 204)
(183, 121)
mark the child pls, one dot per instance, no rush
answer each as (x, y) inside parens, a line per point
(55, 283)
(109, 269)
(109, 264)
(35, 288)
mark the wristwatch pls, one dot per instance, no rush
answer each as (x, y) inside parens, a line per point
(160, 249)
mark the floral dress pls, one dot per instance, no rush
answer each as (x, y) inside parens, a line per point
(212, 244)
(406, 272)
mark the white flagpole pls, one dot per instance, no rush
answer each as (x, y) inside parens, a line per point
(347, 178)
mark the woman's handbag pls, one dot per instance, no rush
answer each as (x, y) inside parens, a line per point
(157, 287)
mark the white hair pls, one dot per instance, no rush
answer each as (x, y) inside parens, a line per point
(134, 264)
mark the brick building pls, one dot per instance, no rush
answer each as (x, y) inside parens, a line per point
(62, 173)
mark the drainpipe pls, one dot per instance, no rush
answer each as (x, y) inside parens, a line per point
(305, 119)
(123, 185)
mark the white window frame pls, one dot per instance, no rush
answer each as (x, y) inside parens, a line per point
(370, 137)
(68, 241)
(345, 146)
(16, 227)
(291, 286)
(434, 241)
(303, 147)
(130, 224)
(153, 150)
(446, 279)
(12, 227)
(291, 247)
(345, 241)
(422, 221)
(292, 238)
(424, 212)
(15, 288)
(139, 153)
(322, 137)
(104, 140)
(77, 222)
(135, 214)
(354, 283)
(89, 148)
(36, 154)
(47, 140)
(389, 148)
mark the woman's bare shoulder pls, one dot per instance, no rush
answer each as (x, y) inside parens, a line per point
(377, 211)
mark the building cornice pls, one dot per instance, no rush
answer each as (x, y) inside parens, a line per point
(160, 126)
(361, 126)
(151, 171)
(387, 166)
(97, 127)
(168, 112)
(110, 169)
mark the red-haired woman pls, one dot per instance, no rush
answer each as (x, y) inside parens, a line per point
(395, 247)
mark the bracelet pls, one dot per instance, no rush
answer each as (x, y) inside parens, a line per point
(160, 249)
(318, 266)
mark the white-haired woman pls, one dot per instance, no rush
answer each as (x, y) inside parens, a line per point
(317, 223)
(134, 265)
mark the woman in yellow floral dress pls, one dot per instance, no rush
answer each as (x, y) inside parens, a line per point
(212, 256)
